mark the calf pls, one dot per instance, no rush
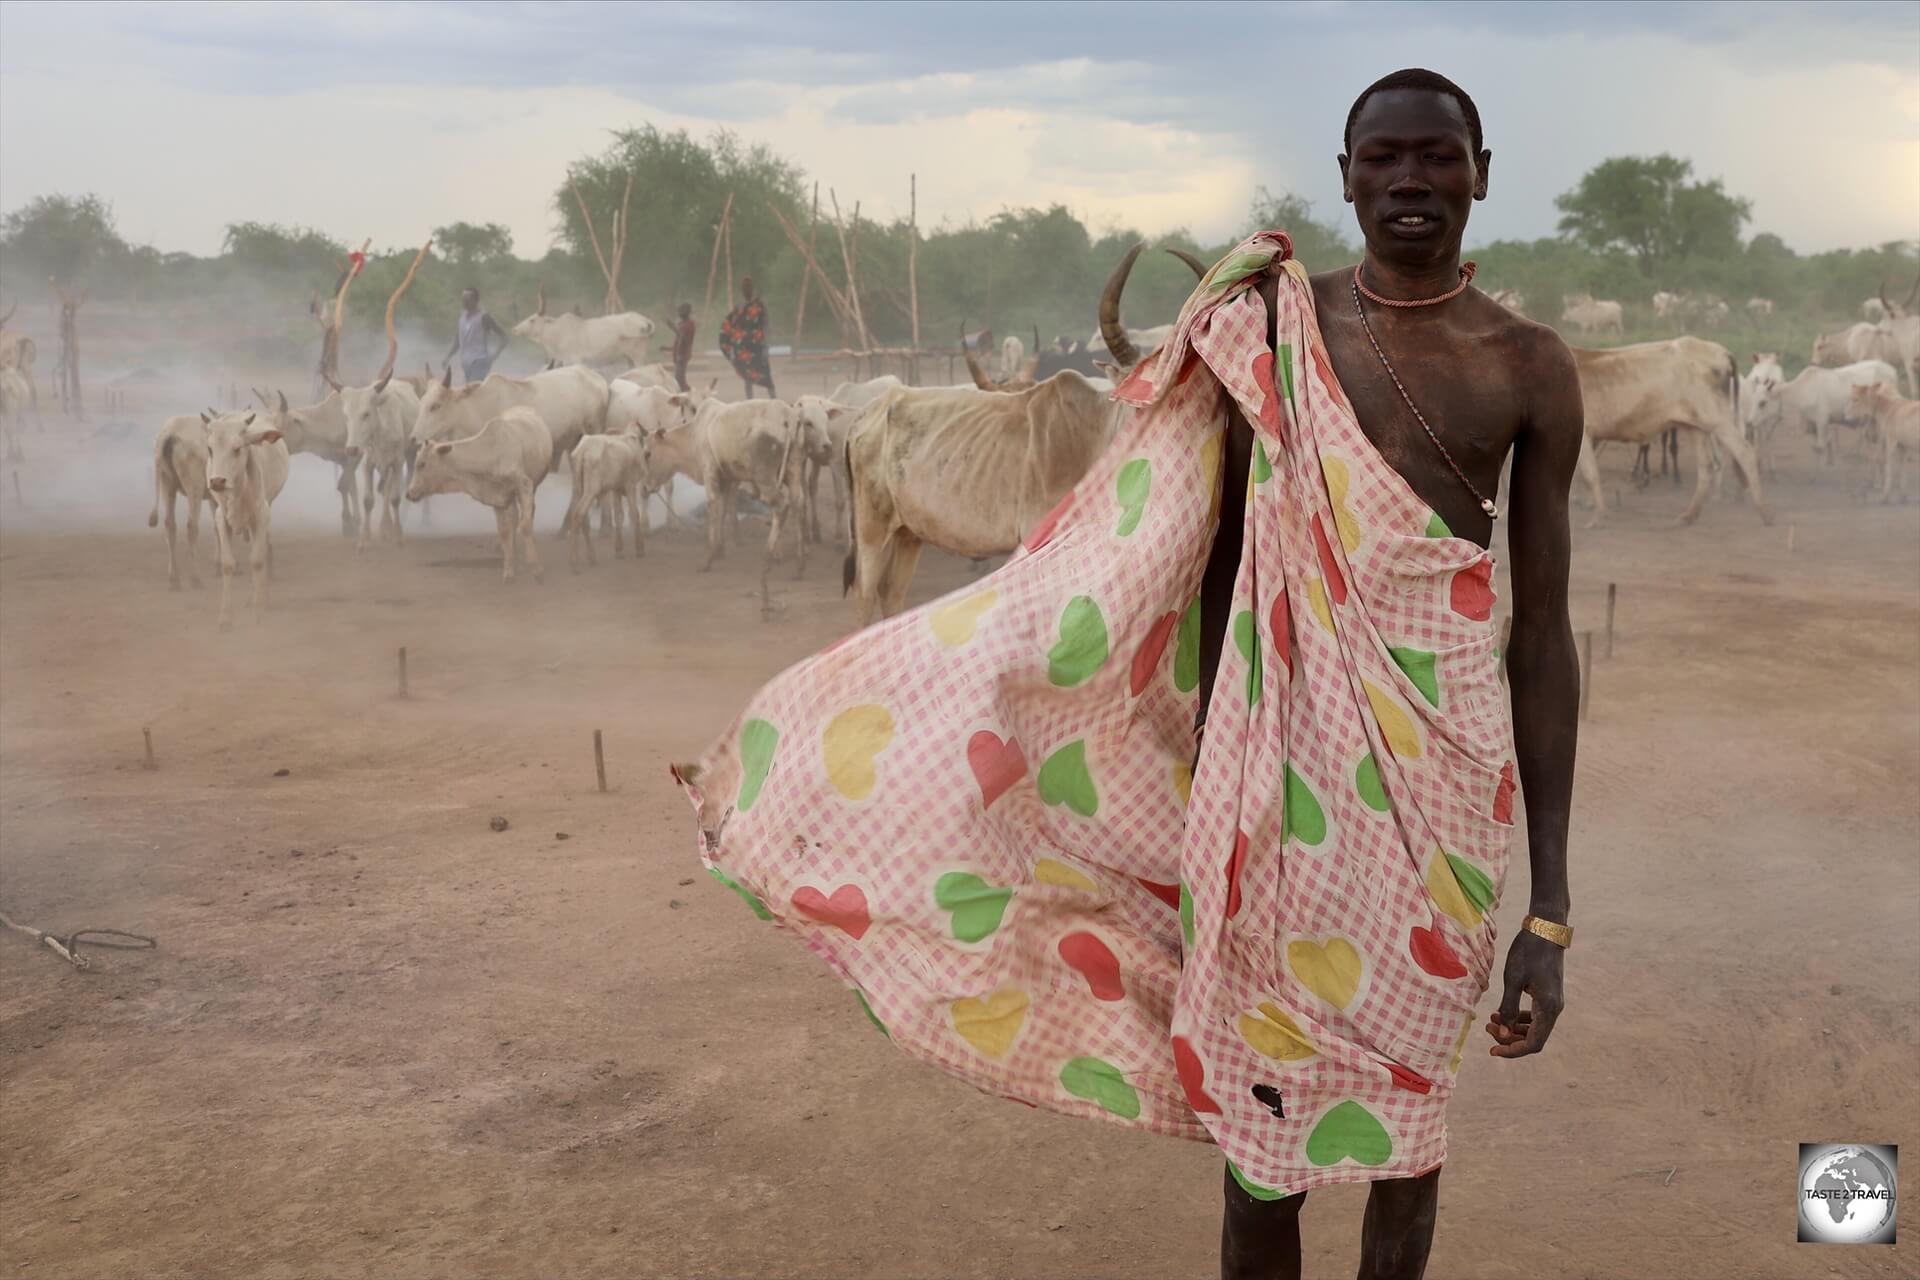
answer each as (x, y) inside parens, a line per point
(246, 469)
(16, 393)
(180, 468)
(499, 466)
(831, 421)
(1897, 419)
(666, 419)
(613, 469)
(762, 445)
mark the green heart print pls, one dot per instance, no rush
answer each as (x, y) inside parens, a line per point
(1131, 488)
(758, 741)
(1065, 779)
(1101, 1082)
(1083, 644)
(976, 905)
(1349, 1131)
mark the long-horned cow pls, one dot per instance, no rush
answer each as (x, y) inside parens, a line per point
(1634, 393)
(970, 471)
(623, 339)
(378, 421)
(1814, 400)
(321, 430)
(763, 446)
(246, 469)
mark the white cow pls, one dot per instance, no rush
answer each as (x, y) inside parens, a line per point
(1636, 393)
(379, 419)
(16, 394)
(180, 470)
(1013, 354)
(1668, 305)
(321, 430)
(762, 445)
(1760, 308)
(858, 395)
(1897, 419)
(499, 466)
(1853, 344)
(1815, 400)
(649, 375)
(1147, 340)
(1511, 299)
(1873, 310)
(612, 470)
(246, 469)
(570, 403)
(624, 339)
(1589, 315)
(1714, 312)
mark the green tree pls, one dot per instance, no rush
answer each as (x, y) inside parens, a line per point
(272, 250)
(67, 237)
(468, 245)
(1317, 244)
(1649, 207)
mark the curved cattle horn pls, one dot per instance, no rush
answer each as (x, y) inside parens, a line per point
(1125, 354)
(261, 396)
(542, 308)
(393, 343)
(283, 400)
(1199, 267)
(978, 374)
(446, 377)
(10, 310)
(1881, 292)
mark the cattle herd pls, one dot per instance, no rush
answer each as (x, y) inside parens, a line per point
(966, 468)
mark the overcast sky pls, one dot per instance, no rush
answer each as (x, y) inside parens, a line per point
(385, 120)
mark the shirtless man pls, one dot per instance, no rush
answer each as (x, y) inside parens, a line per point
(1489, 383)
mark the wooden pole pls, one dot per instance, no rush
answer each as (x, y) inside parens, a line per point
(1613, 591)
(806, 277)
(599, 761)
(842, 313)
(913, 273)
(1586, 671)
(403, 671)
(592, 239)
(713, 266)
(726, 238)
(846, 263)
(150, 764)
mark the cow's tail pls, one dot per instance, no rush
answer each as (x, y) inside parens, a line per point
(849, 565)
(163, 460)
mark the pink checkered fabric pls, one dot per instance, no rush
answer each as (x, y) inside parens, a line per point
(981, 813)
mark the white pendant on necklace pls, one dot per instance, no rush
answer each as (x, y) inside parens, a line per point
(1486, 505)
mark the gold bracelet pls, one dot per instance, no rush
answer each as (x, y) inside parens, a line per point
(1559, 935)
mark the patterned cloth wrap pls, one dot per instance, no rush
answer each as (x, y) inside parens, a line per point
(982, 814)
(743, 341)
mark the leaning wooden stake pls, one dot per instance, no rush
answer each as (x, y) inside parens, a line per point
(913, 272)
(403, 672)
(713, 265)
(1586, 671)
(806, 277)
(599, 761)
(1613, 591)
(150, 764)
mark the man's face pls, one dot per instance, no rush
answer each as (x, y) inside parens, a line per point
(469, 299)
(1412, 175)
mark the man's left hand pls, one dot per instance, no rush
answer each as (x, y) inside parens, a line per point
(1534, 968)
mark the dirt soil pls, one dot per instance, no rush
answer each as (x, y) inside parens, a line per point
(381, 1039)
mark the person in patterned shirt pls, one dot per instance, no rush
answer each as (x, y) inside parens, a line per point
(743, 340)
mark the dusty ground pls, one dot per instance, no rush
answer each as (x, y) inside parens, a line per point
(379, 1039)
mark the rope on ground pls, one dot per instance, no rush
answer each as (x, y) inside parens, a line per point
(68, 948)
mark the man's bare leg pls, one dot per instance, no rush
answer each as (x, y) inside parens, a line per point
(1259, 1239)
(1397, 1233)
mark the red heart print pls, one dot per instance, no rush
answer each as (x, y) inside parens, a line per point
(1167, 893)
(1094, 960)
(1503, 795)
(1269, 395)
(1193, 1077)
(846, 910)
(1234, 864)
(1146, 659)
(996, 765)
(1431, 952)
(1336, 585)
(1472, 590)
(1280, 627)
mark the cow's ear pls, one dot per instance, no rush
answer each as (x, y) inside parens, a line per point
(248, 422)
(836, 412)
(205, 420)
(265, 437)
(444, 448)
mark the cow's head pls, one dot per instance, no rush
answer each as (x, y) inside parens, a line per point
(820, 420)
(433, 471)
(231, 437)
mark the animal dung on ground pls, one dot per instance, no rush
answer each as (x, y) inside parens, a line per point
(498, 824)
(282, 773)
